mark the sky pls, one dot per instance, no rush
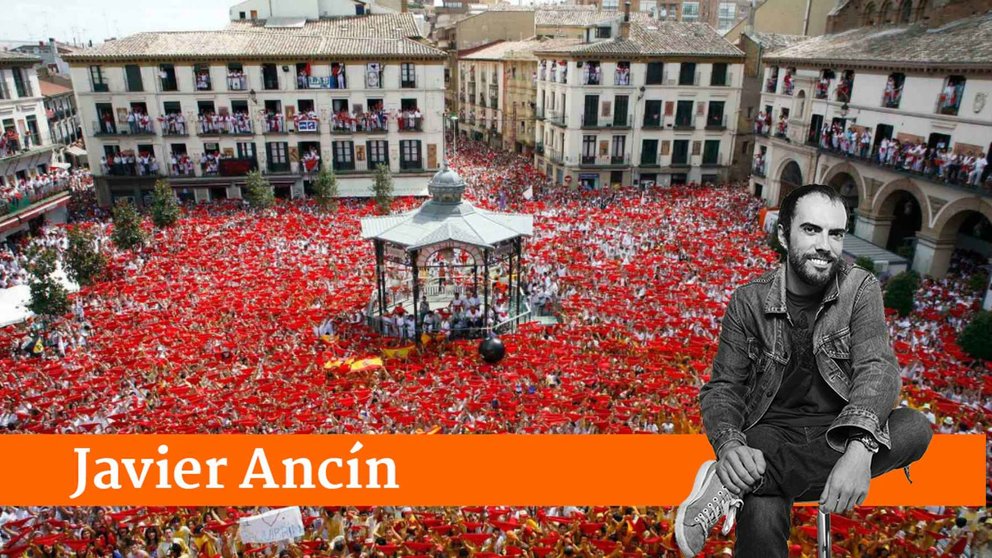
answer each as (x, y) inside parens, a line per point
(82, 20)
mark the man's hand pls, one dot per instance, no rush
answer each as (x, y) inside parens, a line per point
(847, 485)
(740, 467)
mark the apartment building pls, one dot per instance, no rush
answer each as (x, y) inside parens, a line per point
(833, 106)
(652, 102)
(284, 96)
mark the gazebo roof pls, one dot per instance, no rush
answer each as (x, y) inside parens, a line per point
(447, 218)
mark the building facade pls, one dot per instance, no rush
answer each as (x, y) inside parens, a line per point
(64, 125)
(207, 107)
(25, 148)
(654, 105)
(899, 122)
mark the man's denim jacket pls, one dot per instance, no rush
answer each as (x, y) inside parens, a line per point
(850, 345)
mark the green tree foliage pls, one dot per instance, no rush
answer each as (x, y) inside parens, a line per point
(382, 189)
(127, 234)
(976, 337)
(84, 262)
(325, 189)
(900, 290)
(258, 192)
(49, 299)
(165, 206)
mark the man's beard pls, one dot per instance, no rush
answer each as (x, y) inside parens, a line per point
(812, 276)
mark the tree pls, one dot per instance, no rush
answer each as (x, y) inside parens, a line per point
(865, 262)
(258, 192)
(127, 234)
(165, 206)
(84, 263)
(49, 299)
(382, 189)
(325, 189)
(976, 337)
(900, 290)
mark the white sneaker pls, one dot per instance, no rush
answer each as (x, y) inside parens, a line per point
(706, 504)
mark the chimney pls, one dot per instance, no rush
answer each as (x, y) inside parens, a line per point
(404, 6)
(625, 24)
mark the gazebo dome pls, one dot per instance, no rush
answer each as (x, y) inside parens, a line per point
(446, 186)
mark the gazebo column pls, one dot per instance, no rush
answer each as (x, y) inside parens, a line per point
(381, 283)
(485, 289)
(415, 268)
(509, 290)
(520, 281)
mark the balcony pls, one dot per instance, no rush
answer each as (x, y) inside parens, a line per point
(758, 168)
(25, 199)
(415, 165)
(649, 161)
(611, 161)
(237, 82)
(224, 127)
(130, 170)
(685, 123)
(555, 156)
(556, 118)
(621, 78)
(344, 166)
(371, 123)
(718, 122)
(278, 168)
(172, 126)
(411, 123)
(590, 122)
(14, 147)
(714, 161)
(307, 125)
(104, 128)
(539, 113)
(274, 126)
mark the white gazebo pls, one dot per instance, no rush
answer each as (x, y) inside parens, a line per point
(415, 256)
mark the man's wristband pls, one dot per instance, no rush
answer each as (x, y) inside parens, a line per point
(866, 440)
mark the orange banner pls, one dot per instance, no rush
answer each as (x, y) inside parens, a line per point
(540, 470)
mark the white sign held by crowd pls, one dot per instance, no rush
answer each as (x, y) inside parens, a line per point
(272, 526)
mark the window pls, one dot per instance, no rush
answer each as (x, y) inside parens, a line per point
(132, 77)
(98, 80)
(719, 75)
(618, 154)
(236, 78)
(648, 6)
(107, 123)
(845, 87)
(270, 77)
(714, 117)
(278, 156)
(344, 155)
(22, 83)
(603, 32)
(950, 96)
(4, 94)
(378, 153)
(652, 113)
(771, 84)
(711, 152)
(726, 15)
(408, 76)
(892, 95)
(201, 76)
(683, 115)
(588, 150)
(410, 155)
(620, 110)
(32, 123)
(690, 11)
(649, 152)
(655, 73)
(687, 73)
(622, 74)
(592, 73)
(241, 15)
(611, 4)
(167, 77)
(680, 152)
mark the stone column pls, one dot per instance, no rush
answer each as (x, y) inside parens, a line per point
(932, 255)
(873, 228)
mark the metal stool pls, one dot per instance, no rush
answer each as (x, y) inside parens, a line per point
(822, 533)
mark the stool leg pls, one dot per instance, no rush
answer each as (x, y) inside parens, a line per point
(822, 533)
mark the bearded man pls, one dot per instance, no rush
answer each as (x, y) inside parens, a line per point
(800, 404)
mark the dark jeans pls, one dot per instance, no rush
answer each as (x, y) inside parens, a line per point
(797, 464)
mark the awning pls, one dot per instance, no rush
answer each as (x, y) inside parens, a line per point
(58, 165)
(75, 151)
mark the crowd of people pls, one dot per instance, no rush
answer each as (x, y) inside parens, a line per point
(213, 327)
(237, 122)
(18, 191)
(372, 120)
(127, 163)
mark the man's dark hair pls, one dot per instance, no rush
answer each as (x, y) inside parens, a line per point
(788, 209)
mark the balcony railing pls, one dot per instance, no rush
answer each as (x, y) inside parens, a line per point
(308, 125)
(556, 118)
(411, 123)
(104, 128)
(237, 83)
(278, 168)
(274, 126)
(172, 127)
(684, 123)
(616, 121)
(14, 147)
(122, 170)
(224, 127)
(411, 165)
(539, 113)
(621, 78)
(555, 156)
(373, 122)
(717, 123)
(758, 168)
(610, 161)
(25, 199)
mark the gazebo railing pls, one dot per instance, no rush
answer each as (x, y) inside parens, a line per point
(375, 321)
